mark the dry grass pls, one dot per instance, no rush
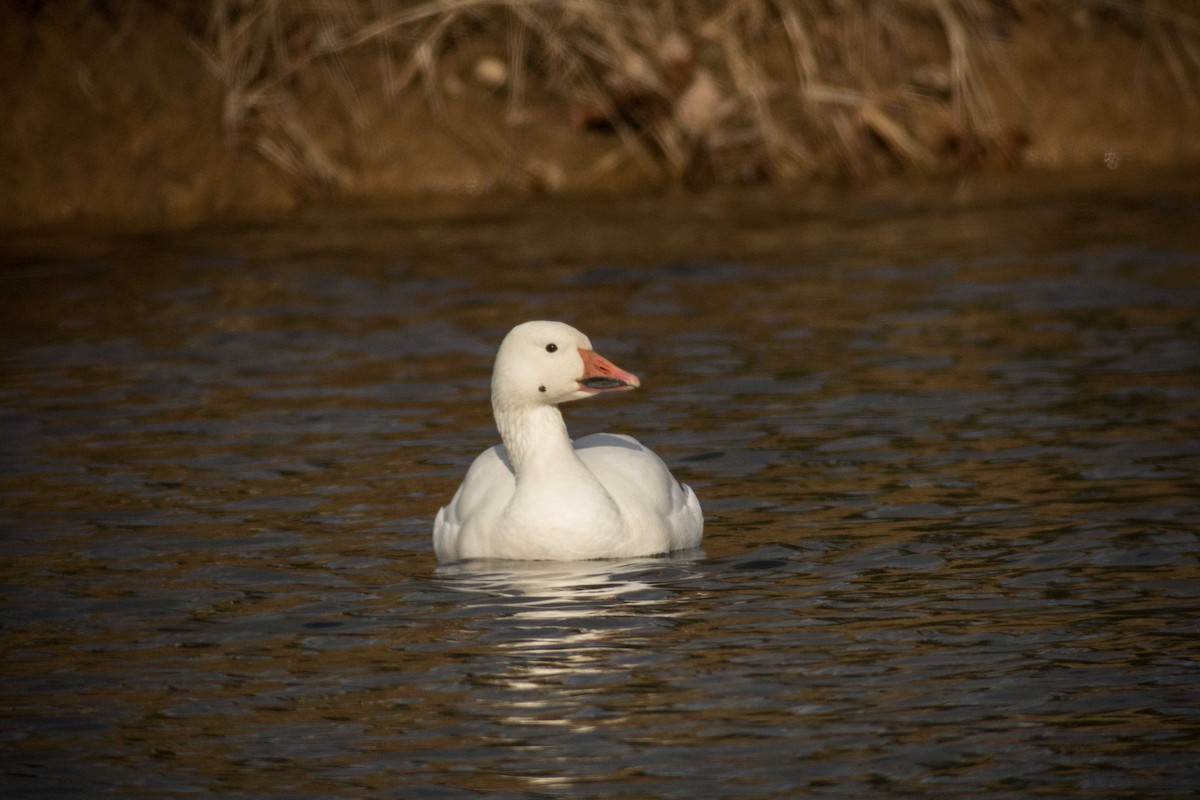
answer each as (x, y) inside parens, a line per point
(697, 90)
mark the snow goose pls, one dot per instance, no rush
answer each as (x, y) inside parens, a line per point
(540, 496)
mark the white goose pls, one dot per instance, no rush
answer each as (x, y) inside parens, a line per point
(541, 496)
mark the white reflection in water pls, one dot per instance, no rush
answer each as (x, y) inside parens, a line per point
(562, 633)
(569, 584)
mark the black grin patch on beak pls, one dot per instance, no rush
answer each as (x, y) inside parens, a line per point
(601, 383)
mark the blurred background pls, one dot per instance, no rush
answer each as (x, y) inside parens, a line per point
(167, 112)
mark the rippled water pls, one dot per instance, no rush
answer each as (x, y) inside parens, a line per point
(947, 445)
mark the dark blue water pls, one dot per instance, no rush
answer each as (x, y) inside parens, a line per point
(947, 445)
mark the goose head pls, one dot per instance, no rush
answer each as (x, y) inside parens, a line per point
(547, 363)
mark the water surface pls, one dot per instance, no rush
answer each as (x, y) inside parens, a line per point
(946, 442)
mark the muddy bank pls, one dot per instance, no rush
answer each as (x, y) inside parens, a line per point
(127, 114)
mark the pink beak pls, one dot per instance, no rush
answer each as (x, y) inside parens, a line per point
(601, 375)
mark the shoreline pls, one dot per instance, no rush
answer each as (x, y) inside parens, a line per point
(116, 120)
(713, 224)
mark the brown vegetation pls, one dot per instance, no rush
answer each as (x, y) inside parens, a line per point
(173, 112)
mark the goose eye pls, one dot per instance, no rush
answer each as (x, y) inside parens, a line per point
(552, 347)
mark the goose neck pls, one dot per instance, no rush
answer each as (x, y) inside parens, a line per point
(535, 436)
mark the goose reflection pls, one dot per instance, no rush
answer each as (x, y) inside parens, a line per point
(582, 587)
(553, 636)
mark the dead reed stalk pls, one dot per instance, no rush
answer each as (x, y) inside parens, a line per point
(709, 90)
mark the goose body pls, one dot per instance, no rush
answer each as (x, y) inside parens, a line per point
(541, 496)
